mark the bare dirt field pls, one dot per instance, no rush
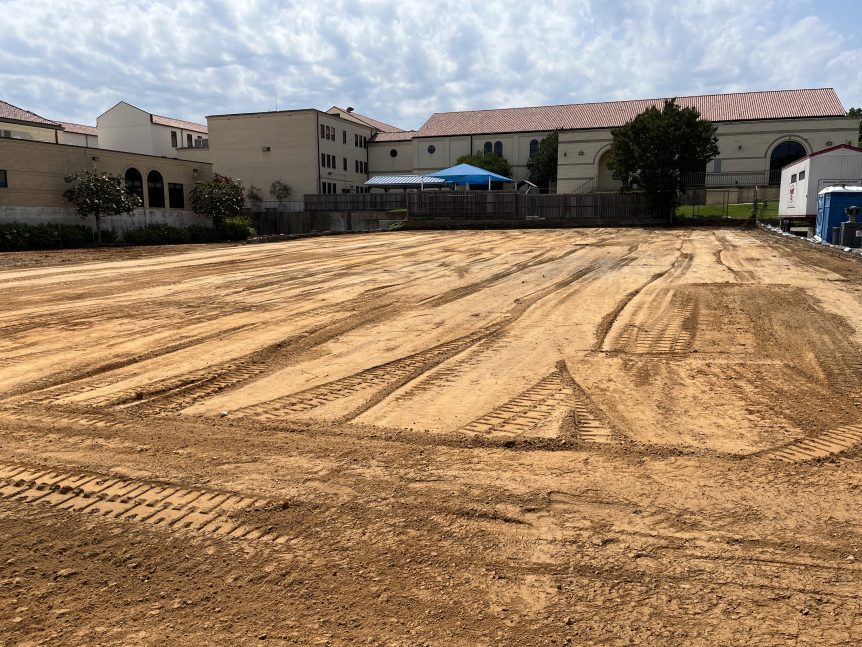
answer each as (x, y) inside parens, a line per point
(444, 438)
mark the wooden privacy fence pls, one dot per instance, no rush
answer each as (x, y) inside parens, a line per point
(497, 208)
(536, 210)
(355, 202)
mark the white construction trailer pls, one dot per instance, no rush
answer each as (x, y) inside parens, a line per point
(802, 180)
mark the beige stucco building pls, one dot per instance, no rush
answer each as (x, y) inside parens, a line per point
(758, 132)
(128, 128)
(32, 183)
(309, 150)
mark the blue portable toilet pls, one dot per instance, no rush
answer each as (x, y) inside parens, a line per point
(831, 203)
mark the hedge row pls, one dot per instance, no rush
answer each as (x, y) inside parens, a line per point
(18, 236)
(168, 235)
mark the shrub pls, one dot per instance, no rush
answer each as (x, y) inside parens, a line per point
(20, 236)
(157, 234)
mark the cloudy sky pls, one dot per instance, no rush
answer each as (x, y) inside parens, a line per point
(400, 61)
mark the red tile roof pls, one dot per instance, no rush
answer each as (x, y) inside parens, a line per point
(739, 106)
(8, 112)
(374, 123)
(80, 129)
(400, 136)
(179, 123)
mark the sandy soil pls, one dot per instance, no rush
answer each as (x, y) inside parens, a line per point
(444, 438)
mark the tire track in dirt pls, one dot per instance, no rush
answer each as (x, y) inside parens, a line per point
(741, 275)
(157, 504)
(552, 397)
(822, 445)
(182, 391)
(383, 380)
(603, 331)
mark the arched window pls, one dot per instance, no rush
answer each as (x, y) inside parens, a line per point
(534, 147)
(489, 148)
(135, 183)
(498, 148)
(155, 190)
(782, 155)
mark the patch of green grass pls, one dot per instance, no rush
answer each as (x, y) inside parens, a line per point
(740, 211)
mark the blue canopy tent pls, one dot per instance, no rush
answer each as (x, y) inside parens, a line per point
(468, 174)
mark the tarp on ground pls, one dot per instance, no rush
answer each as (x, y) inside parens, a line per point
(469, 174)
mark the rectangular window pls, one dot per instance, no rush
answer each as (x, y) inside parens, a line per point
(355, 139)
(801, 175)
(323, 159)
(322, 131)
(3, 183)
(343, 136)
(189, 141)
(356, 166)
(176, 199)
(716, 166)
(174, 138)
(793, 178)
(345, 163)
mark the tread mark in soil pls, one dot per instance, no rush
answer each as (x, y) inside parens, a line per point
(204, 511)
(822, 445)
(536, 405)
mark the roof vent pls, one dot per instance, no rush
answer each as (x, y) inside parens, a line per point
(349, 109)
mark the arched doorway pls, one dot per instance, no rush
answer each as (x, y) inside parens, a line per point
(155, 190)
(135, 183)
(605, 177)
(782, 155)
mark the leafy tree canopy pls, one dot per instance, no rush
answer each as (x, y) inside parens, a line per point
(99, 194)
(543, 167)
(217, 199)
(658, 148)
(489, 162)
(856, 113)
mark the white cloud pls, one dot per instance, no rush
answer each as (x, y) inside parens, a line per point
(400, 61)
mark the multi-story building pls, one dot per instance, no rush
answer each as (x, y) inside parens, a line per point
(309, 150)
(128, 128)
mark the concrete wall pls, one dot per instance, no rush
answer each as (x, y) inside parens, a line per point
(35, 132)
(118, 224)
(35, 172)
(259, 148)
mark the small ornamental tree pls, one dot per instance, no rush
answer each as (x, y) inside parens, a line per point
(99, 194)
(279, 191)
(489, 162)
(543, 167)
(217, 199)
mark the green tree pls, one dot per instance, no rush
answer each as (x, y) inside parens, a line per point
(856, 113)
(489, 162)
(657, 149)
(279, 191)
(543, 167)
(99, 194)
(218, 199)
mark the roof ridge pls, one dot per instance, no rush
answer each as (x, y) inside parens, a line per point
(30, 112)
(595, 103)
